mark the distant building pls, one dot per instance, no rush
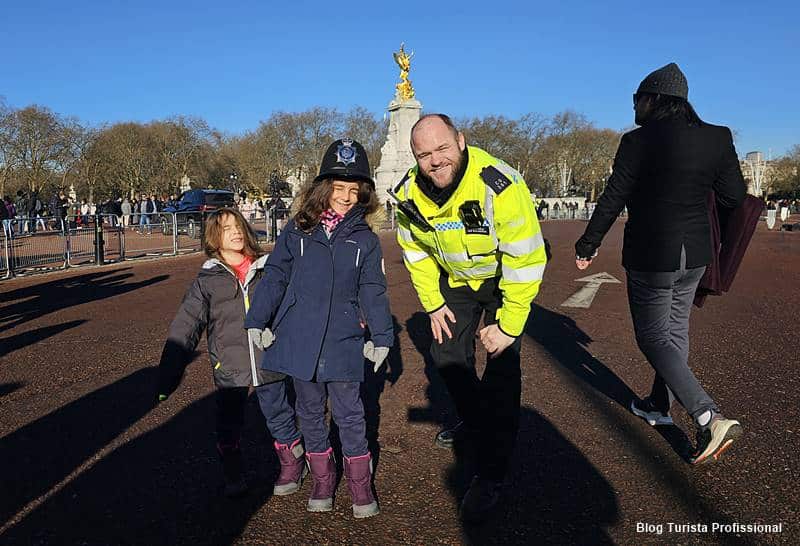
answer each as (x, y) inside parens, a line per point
(757, 173)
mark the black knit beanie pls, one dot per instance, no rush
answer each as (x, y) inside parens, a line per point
(667, 80)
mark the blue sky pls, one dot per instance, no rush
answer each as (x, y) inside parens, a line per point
(233, 63)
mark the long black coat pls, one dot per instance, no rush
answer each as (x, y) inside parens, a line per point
(663, 173)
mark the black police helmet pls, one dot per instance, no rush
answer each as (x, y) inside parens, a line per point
(345, 159)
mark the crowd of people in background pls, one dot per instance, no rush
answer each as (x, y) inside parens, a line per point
(564, 210)
(27, 212)
(777, 204)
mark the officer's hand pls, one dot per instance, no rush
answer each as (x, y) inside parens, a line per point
(375, 354)
(262, 338)
(494, 340)
(583, 263)
(439, 325)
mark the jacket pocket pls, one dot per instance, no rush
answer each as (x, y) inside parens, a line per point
(288, 302)
(358, 316)
(478, 244)
(223, 377)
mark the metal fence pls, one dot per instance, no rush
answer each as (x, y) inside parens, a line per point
(552, 213)
(30, 245)
(82, 239)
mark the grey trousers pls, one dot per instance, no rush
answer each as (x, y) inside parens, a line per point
(660, 304)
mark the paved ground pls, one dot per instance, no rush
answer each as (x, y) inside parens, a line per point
(87, 458)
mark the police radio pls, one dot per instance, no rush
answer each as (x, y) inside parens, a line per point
(412, 212)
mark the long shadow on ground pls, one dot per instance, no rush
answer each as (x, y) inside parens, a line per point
(566, 343)
(554, 494)
(163, 487)
(25, 339)
(39, 455)
(561, 337)
(35, 301)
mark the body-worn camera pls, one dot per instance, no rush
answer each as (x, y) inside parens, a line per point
(472, 218)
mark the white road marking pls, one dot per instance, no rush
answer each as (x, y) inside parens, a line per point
(584, 297)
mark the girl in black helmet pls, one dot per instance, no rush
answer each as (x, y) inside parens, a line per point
(323, 282)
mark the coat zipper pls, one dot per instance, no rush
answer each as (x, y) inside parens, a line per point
(330, 301)
(245, 291)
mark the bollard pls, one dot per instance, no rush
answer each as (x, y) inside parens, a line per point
(99, 258)
(274, 224)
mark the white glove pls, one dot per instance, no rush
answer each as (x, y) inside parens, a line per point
(375, 354)
(262, 338)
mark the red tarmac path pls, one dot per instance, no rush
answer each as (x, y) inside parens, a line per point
(86, 458)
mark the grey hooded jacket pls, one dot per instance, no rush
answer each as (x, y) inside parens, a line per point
(216, 302)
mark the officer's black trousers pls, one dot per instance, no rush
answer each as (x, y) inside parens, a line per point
(489, 405)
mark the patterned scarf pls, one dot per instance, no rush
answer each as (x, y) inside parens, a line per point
(330, 219)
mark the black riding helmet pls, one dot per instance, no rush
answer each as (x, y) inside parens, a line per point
(345, 159)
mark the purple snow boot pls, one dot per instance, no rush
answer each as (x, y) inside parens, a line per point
(323, 475)
(358, 471)
(293, 468)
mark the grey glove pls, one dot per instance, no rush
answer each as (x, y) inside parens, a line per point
(375, 354)
(262, 338)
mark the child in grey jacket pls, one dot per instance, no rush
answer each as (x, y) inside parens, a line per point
(217, 302)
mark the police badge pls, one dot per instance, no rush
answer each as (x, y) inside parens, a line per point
(345, 152)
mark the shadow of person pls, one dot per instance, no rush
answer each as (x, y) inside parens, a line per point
(372, 389)
(440, 408)
(31, 337)
(8, 388)
(573, 504)
(33, 302)
(40, 454)
(162, 487)
(566, 342)
(553, 494)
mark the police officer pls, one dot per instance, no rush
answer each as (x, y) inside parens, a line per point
(472, 245)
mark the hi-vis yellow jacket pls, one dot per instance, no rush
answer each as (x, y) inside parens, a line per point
(509, 245)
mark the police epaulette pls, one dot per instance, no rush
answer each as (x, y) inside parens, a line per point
(403, 181)
(495, 179)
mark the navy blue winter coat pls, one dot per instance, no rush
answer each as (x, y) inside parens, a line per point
(314, 296)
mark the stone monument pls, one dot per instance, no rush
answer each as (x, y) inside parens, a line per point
(186, 184)
(404, 111)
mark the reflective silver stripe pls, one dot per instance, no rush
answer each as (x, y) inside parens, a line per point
(520, 248)
(301, 246)
(358, 255)
(451, 257)
(405, 234)
(480, 272)
(524, 274)
(414, 256)
(488, 208)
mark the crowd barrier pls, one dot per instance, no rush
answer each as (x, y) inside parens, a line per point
(30, 245)
(550, 213)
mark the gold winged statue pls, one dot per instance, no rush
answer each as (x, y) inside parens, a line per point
(404, 89)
